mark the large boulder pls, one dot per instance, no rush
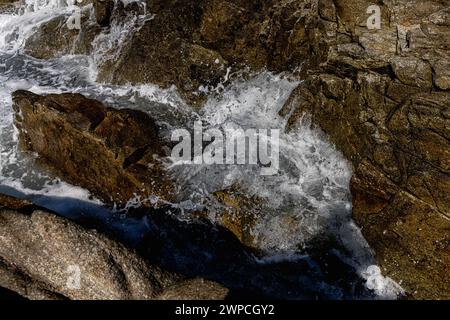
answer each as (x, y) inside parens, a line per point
(113, 153)
(382, 97)
(44, 256)
(195, 44)
(163, 52)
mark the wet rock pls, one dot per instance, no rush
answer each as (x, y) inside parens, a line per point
(381, 97)
(174, 61)
(123, 9)
(163, 52)
(112, 153)
(368, 89)
(192, 44)
(238, 212)
(103, 11)
(54, 39)
(327, 10)
(7, 6)
(195, 45)
(397, 138)
(408, 232)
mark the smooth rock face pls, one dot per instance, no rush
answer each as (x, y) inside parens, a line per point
(383, 99)
(112, 153)
(41, 256)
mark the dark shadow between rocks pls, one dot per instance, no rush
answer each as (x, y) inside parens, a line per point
(8, 295)
(201, 249)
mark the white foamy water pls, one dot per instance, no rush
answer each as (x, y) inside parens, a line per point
(15, 28)
(306, 202)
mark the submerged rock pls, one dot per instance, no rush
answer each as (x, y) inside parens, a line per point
(238, 212)
(113, 153)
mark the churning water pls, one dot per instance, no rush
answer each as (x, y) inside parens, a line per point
(306, 202)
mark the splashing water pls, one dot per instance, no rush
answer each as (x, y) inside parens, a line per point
(308, 201)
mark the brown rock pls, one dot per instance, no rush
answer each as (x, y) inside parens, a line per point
(441, 69)
(399, 147)
(191, 44)
(327, 10)
(410, 236)
(110, 152)
(54, 39)
(7, 202)
(195, 289)
(162, 52)
(238, 213)
(7, 6)
(103, 11)
(380, 98)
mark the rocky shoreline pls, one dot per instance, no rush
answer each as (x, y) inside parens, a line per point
(41, 251)
(381, 96)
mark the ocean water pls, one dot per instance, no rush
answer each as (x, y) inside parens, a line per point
(307, 202)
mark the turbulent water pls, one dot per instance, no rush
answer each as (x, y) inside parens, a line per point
(306, 202)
